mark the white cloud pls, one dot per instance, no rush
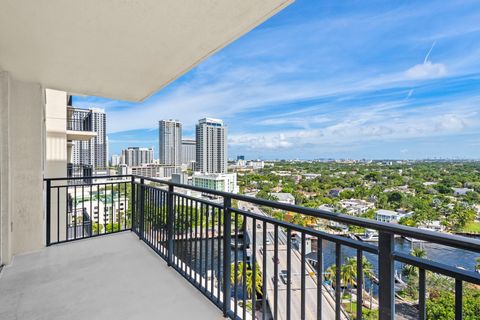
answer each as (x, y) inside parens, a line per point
(427, 70)
(375, 124)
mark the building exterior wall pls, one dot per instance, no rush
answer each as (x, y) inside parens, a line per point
(135, 156)
(116, 160)
(22, 141)
(94, 151)
(211, 137)
(170, 142)
(189, 151)
(56, 149)
(226, 182)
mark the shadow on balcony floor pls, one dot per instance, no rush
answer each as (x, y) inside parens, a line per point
(110, 277)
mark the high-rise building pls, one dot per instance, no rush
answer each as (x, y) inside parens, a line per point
(94, 151)
(211, 137)
(116, 160)
(170, 142)
(135, 156)
(189, 151)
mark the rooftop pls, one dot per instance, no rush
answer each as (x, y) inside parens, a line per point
(111, 277)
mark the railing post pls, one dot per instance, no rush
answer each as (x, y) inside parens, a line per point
(142, 209)
(48, 211)
(386, 293)
(170, 225)
(134, 208)
(227, 233)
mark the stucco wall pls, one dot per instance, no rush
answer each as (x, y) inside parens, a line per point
(21, 169)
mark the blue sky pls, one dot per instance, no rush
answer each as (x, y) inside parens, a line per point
(331, 79)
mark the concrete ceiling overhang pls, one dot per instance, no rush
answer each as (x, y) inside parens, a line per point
(122, 49)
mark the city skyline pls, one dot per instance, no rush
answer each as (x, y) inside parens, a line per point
(331, 80)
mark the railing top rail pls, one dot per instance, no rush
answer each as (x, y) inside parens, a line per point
(91, 177)
(431, 236)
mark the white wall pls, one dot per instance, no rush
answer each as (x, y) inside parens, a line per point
(22, 127)
(56, 156)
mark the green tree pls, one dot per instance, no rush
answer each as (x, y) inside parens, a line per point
(248, 277)
(409, 270)
(441, 304)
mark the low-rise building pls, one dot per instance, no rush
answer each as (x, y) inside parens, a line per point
(461, 191)
(226, 182)
(383, 215)
(311, 176)
(284, 197)
(356, 206)
(255, 164)
(150, 170)
(435, 225)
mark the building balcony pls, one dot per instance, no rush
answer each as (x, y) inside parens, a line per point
(199, 259)
(112, 277)
(79, 170)
(80, 124)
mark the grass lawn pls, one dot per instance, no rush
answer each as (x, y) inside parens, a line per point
(473, 227)
(367, 314)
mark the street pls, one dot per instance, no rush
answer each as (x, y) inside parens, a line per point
(328, 304)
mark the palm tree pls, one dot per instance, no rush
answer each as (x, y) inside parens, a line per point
(367, 268)
(409, 270)
(349, 274)
(349, 271)
(330, 273)
(248, 277)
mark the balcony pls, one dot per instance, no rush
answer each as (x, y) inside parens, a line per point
(112, 277)
(185, 243)
(79, 170)
(79, 124)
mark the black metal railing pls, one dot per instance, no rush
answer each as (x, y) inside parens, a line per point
(77, 209)
(248, 263)
(79, 120)
(79, 170)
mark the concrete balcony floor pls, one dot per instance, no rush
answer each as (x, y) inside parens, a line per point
(109, 277)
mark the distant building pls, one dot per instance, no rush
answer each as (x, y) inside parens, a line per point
(386, 215)
(92, 152)
(435, 225)
(108, 208)
(180, 178)
(135, 156)
(461, 191)
(284, 197)
(116, 160)
(356, 206)
(226, 182)
(189, 151)
(334, 193)
(383, 215)
(170, 142)
(240, 158)
(310, 176)
(255, 165)
(150, 170)
(327, 207)
(211, 143)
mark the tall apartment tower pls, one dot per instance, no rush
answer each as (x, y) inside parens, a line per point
(94, 151)
(170, 142)
(189, 151)
(211, 136)
(135, 156)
